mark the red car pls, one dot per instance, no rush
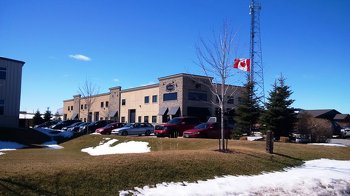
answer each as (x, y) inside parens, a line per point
(176, 126)
(206, 130)
(108, 128)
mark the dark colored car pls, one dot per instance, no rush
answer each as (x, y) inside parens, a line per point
(47, 124)
(176, 126)
(90, 128)
(72, 125)
(62, 124)
(207, 130)
(77, 128)
(108, 128)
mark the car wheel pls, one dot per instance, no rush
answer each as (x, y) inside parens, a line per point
(147, 133)
(124, 133)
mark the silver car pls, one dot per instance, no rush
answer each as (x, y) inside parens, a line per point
(134, 129)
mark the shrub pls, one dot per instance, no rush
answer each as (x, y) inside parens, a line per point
(284, 139)
(243, 138)
(320, 129)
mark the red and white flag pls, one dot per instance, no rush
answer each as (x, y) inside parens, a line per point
(242, 64)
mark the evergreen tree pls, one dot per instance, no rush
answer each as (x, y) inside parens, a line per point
(279, 116)
(247, 113)
(47, 115)
(37, 119)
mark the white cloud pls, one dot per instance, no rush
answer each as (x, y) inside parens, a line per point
(148, 83)
(116, 80)
(80, 57)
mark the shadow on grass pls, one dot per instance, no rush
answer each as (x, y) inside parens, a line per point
(10, 187)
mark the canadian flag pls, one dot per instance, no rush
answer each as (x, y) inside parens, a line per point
(242, 64)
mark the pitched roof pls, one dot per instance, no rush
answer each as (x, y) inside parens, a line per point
(324, 113)
(341, 116)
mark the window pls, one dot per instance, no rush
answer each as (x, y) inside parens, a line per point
(145, 119)
(2, 107)
(139, 118)
(107, 104)
(169, 96)
(240, 100)
(68, 108)
(102, 104)
(71, 107)
(81, 106)
(146, 99)
(123, 119)
(123, 101)
(2, 73)
(154, 119)
(230, 100)
(154, 99)
(85, 106)
(195, 96)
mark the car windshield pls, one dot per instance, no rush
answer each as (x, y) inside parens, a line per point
(201, 126)
(175, 121)
(128, 125)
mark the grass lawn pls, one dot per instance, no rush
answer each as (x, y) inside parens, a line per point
(69, 171)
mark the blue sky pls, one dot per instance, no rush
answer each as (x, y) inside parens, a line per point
(132, 43)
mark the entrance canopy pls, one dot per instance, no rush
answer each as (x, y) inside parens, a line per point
(163, 111)
(173, 110)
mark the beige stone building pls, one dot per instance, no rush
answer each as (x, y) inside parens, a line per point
(10, 91)
(174, 95)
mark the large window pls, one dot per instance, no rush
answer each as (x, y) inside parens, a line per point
(145, 119)
(2, 73)
(154, 99)
(154, 119)
(2, 106)
(146, 99)
(196, 96)
(102, 104)
(107, 104)
(230, 100)
(123, 101)
(169, 96)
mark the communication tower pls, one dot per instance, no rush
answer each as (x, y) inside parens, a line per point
(257, 69)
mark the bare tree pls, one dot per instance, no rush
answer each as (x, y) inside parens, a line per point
(88, 91)
(214, 57)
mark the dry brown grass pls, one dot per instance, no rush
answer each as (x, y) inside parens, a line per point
(71, 172)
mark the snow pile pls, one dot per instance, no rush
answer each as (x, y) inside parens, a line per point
(5, 146)
(106, 148)
(1, 153)
(53, 133)
(327, 144)
(317, 177)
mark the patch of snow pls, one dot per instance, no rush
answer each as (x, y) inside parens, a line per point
(253, 138)
(106, 148)
(327, 144)
(317, 177)
(94, 133)
(54, 146)
(1, 153)
(6, 146)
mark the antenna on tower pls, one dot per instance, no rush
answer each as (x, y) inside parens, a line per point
(257, 69)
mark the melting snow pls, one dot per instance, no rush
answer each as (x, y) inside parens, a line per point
(105, 148)
(253, 138)
(317, 177)
(1, 153)
(327, 144)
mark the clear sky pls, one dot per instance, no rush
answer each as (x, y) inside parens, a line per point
(131, 43)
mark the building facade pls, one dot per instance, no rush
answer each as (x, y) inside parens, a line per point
(174, 95)
(10, 91)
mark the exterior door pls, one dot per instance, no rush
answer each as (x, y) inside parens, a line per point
(132, 116)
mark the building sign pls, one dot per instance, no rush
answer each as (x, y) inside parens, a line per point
(170, 87)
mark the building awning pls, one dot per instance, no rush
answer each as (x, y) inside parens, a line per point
(163, 111)
(113, 113)
(74, 116)
(173, 110)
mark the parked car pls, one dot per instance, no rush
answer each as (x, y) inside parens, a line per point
(72, 125)
(47, 124)
(62, 124)
(134, 129)
(77, 128)
(207, 130)
(345, 132)
(176, 126)
(108, 128)
(90, 128)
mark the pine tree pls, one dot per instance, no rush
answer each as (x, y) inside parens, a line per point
(47, 115)
(247, 113)
(279, 116)
(37, 119)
